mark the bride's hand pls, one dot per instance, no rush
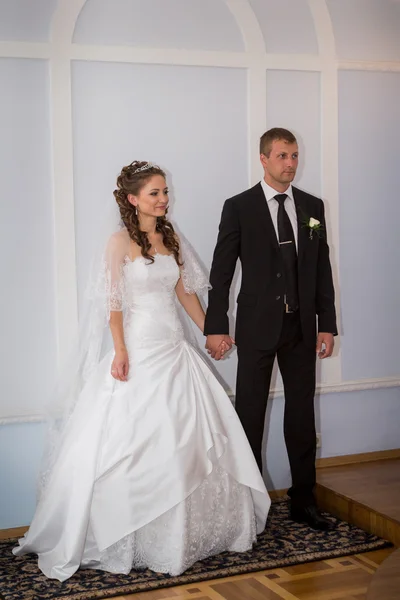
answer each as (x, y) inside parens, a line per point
(120, 365)
(224, 348)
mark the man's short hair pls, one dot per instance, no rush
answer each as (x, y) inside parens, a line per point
(272, 135)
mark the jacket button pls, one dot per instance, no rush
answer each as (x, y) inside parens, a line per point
(278, 275)
(278, 297)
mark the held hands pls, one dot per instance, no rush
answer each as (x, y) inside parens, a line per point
(325, 343)
(120, 365)
(218, 345)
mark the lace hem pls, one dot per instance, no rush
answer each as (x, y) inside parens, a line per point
(217, 517)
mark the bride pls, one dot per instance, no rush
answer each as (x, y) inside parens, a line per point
(151, 468)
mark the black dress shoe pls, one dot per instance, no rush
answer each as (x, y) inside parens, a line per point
(311, 516)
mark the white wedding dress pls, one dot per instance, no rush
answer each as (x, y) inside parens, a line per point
(154, 472)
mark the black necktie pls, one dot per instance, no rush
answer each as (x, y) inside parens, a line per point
(287, 245)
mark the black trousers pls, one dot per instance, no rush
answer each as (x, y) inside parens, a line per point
(297, 366)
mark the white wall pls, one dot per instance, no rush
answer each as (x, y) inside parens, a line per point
(192, 84)
(27, 351)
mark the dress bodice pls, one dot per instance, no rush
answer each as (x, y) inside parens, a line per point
(152, 313)
(150, 283)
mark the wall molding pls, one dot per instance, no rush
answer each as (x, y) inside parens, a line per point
(167, 56)
(335, 388)
(196, 58)
(348, 386)
(21, 419)
(369, 65)
(329, 116)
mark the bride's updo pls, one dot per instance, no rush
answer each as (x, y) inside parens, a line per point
(130, 181)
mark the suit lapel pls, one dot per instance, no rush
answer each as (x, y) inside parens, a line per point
(264, 215)
(302, 238)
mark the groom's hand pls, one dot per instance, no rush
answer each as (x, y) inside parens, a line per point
(218, 344)
(325, 343)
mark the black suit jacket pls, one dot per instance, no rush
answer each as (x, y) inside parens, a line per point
(247, 232)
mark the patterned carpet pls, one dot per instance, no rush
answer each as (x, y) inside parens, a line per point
(283, 543)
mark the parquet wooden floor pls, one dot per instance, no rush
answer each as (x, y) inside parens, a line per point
(385, 584)
(345, 578)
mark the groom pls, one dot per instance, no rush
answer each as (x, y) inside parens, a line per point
(279, 233)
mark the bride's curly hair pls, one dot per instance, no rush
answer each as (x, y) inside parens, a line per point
(130, 181)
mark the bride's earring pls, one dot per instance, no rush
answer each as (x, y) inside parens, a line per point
(136, 210)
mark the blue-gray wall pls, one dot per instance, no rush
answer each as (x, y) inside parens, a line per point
(202, 174)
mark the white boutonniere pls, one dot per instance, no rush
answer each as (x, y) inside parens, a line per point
(314, 226)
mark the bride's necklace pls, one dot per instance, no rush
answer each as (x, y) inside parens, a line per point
(153, 247)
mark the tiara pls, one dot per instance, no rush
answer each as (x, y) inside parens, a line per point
(144, 168)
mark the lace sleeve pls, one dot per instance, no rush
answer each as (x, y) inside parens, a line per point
(114, 276)
(193, 274)
(110, 284)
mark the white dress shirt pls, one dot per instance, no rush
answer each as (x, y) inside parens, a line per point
(273, 206)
